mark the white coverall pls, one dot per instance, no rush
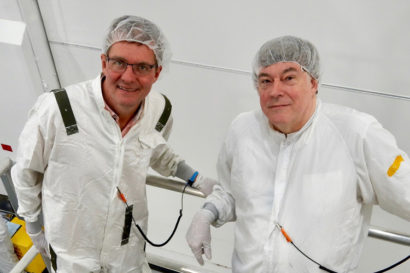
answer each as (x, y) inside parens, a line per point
(318, 183)
(73, 179)
(8, 258)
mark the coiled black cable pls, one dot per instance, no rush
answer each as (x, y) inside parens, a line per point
(142, 232)
(289, 240)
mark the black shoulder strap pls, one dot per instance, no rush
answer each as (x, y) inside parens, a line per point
(165, 115)
(66, 111)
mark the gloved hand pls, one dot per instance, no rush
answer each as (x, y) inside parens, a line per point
(204, 184)
(37, 237)
(39, 241)
(199, 234)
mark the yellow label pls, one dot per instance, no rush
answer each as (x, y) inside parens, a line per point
(395, 166)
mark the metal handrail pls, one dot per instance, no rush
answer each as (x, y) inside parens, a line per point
(176, 185)
(25, 260)
(172, 184)
(389, 236)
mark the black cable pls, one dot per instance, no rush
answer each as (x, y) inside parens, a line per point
(327, 269)
(176, 224)
(330, 271)
(169, 238)
(320, 266)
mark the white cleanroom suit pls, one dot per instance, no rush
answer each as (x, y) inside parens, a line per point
(319, 184)
(8, 258)
(74, 179)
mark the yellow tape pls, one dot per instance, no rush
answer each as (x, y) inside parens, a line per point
(395, 166)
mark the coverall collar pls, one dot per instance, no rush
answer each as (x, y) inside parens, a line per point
(97, 91)
(294, 136)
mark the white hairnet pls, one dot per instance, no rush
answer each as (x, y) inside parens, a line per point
(140, 30)
(288, 49)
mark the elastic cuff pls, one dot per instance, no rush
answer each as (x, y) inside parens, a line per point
(33, 235)
(33, 227)
(184, 171)
(212, 208)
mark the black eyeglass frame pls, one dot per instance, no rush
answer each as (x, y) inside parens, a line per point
(135, 67)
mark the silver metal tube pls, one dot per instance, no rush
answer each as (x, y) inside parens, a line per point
(37, 34)
(172, 184)
(389, 236)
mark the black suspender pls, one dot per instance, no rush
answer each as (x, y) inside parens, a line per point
(66, 111)
(165, 115)
(69, 120)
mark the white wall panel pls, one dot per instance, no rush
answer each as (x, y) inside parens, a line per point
(359, 40)
(20, 82)
(392, 113)
(9, 10)
(75, 64)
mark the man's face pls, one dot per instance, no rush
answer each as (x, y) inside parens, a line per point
(287, 95)
(124, 91)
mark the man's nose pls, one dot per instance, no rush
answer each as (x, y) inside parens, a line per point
(128, 74)
(276, 89)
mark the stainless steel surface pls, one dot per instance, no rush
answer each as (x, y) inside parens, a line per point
(172, 184)
(37, 34)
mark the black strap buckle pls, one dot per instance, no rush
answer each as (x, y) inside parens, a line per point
(66, 112)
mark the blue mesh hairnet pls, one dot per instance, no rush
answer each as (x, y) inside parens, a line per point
(140, 30)
(288, 49)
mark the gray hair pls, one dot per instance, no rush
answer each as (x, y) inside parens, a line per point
(288, 49)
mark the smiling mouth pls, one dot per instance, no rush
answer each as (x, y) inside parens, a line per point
(127, 89)
(277, 106)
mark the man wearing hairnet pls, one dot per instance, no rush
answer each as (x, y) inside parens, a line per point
(75, 178)
(302, 168)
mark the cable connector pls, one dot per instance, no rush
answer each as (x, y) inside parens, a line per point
(192, 179)
(122, 196)
(282, 230)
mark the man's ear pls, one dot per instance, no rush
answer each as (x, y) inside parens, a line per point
(103, 62)
(315, 84)
(157, 72)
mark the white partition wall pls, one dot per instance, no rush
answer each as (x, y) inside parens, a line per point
(365, 51)
(20, 82)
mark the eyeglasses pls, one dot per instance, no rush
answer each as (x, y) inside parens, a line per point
(120, 66)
